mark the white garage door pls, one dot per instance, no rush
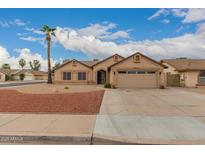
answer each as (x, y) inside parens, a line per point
(29, 77)
(137, 79)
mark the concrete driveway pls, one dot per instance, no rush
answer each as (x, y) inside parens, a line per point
(151, 116)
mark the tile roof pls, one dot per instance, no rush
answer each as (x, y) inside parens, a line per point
(31, 71)
(89, 63)
(186, 64)
(9, 71)
(18, 71)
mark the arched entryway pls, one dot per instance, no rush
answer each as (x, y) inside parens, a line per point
(202, 77)
(101, 77)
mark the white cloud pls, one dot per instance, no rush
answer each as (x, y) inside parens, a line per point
(19, 22)
(179, 12)
(39, 40)
(188, 45)
(96, 30)
(15, 22)
(102, 31)
(194, 15)
(4, 24)
(165, 21)
(116, 35)
(24, 53)
(180, 29)
(35, 31)
(4, 55)
(31, 38)
(159, 13)
(189, 15)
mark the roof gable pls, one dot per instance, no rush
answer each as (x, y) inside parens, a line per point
(104, 60)
(138, 53)
(72, 61)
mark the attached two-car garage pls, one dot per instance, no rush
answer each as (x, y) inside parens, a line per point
(137, 71)
(134, 78)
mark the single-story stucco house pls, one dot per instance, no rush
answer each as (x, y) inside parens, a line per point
(7, 73)
(136, 70)
(191, 72)
(13, 74)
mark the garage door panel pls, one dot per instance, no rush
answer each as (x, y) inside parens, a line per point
(137, 80)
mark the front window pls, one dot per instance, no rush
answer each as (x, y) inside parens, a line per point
(136, 58)
(115, 58)
(141, 72)
(151, 72)
(66, 75)
(131, 72)
(81, 75)
(202, 77)
(122, 72)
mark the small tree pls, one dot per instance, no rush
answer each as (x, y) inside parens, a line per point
(7, 77)
(21, 76)
(22, 63)
(6, 66)
(35, 65)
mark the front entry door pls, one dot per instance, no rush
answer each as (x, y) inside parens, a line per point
(101, 77)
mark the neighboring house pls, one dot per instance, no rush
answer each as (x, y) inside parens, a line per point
(6, 74)
(13, 74)
(191, 71)
(30, 75)
(136, 70)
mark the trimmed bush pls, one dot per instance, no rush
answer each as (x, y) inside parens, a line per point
(113, 87)
(107, 85)
(22, 76)
(7, 77)
(162, 87)
(66, 87)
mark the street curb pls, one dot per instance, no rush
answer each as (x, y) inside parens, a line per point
(20, 83)
(15, 139)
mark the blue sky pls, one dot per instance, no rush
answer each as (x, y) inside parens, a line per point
(101, 32)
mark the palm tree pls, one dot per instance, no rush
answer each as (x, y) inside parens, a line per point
(48, 31)
(22, 63)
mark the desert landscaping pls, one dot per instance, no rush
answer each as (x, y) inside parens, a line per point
(43, 98)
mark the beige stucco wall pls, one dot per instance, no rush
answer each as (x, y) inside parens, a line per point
(104, 66)
(145, 64)
(28, 76)
(58, 75)
(170, 69)
(191, 78)
(187, 78)
(2, 77)
(41, 77)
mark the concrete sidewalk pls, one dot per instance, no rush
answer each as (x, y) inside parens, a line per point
(46, 128)
(20, 83)
(150, 116)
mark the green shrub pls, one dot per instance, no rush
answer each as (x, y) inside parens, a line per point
(113, 87)
(162, 87)
(107, 85)
(7, 77)
(22, 76)
(66, 87)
